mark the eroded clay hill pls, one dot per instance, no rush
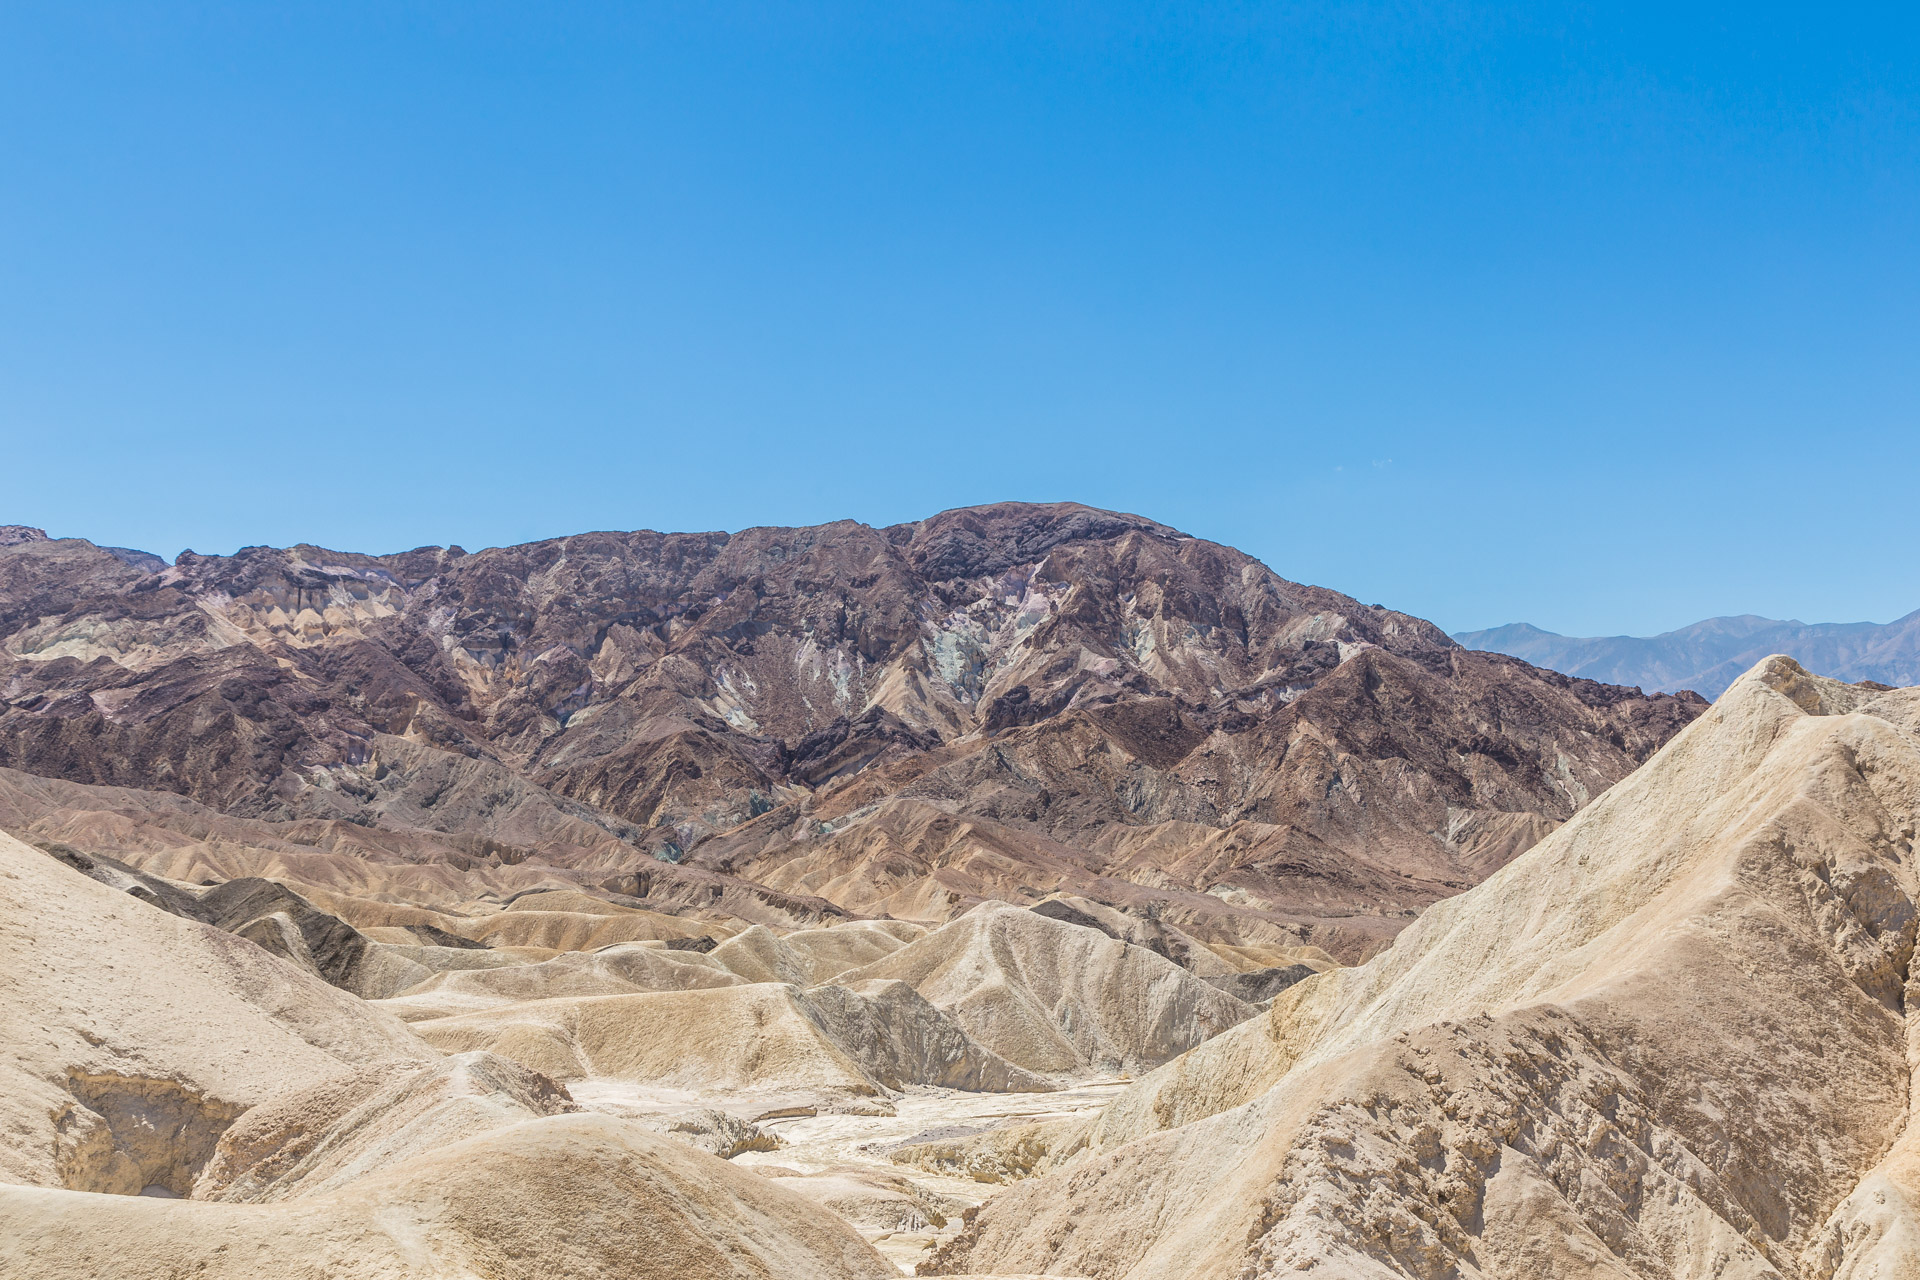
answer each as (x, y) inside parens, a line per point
(179, 1099)
(1676, 1038)
(1004, 702)
(227, 1079)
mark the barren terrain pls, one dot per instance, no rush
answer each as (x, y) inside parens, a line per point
(1181, 923)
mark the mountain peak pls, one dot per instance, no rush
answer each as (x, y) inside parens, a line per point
(1708, 655)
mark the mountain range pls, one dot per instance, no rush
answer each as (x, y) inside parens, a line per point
(1708, 656)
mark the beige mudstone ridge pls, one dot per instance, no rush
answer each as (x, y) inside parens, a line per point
(122, 1022)
(322, 1138)
(1057, 997)
(837, 1041)
(1674, 1039)
(150, 1057)
(570, 1197)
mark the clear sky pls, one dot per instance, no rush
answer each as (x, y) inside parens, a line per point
(1602, 317)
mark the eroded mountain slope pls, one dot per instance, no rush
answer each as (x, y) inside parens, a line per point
(1674, 1039)
(1003, 701)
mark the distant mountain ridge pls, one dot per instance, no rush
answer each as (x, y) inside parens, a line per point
(1709, 655)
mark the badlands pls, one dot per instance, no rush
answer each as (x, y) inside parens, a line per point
(1024, 891)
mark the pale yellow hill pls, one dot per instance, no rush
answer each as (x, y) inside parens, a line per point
(825, 954)
(132, 1036)
(321, 1138)
(1671, 1040)
(1057, 997)
(316, 1135)
(810, 956)
(764, 1039)
(575, 931)
(618, 970)
(571, 1197)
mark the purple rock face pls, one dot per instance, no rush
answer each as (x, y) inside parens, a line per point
(1002, 701)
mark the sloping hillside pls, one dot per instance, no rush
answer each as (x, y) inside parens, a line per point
(1675, 1038)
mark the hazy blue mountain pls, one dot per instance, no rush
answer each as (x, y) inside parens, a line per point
(1707, 656)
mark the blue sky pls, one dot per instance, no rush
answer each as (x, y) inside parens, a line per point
(1605, 317)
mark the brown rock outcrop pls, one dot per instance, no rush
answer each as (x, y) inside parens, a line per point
(998, 702)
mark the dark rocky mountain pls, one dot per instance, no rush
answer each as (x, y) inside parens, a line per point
(1708, 656)
(1008, 701)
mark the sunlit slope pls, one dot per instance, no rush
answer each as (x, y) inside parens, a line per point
(1672, 1039)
